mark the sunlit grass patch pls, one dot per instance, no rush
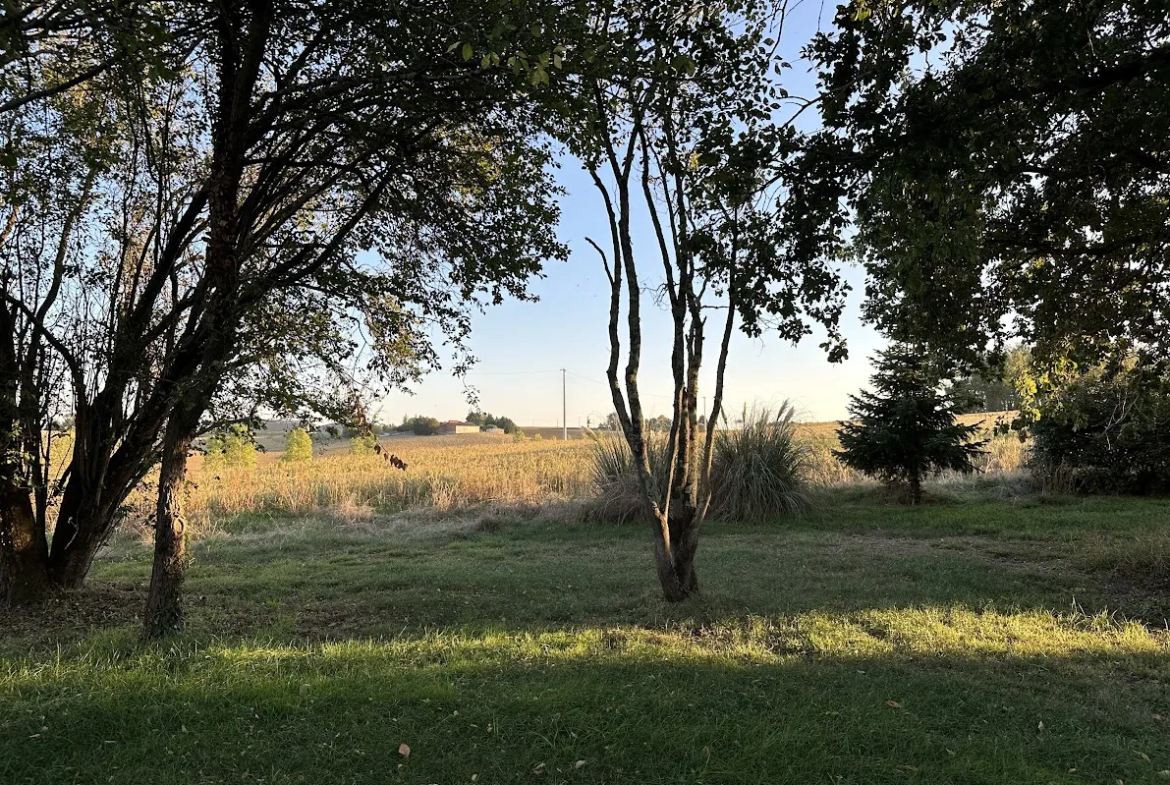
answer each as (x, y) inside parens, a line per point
(985, 642)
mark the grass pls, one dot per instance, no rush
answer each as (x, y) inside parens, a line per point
(458, 473)
(993, 641)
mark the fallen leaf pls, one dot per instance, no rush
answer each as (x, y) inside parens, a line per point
(538, 768)
(894, 704)
(1164, 773)
(578, 764)
(1143, 756)
(404, 750)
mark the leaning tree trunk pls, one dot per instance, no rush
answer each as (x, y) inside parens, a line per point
(164, 608)
(79, 535)
(24, 552)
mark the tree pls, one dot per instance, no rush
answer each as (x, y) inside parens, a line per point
(233, 448)
(676, 124)
(491, 421)
(420, 425)
(364, 444)
(1007, 167)
(905, 429)
(998, 387)
(244, 179)
(298, 446)
(1104, 430)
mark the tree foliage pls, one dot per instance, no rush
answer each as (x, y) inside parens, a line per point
(1105, 431)
(905, 428)
(234, 448)
(275, 198)
(1009, 171)
(419, 425)
(363, 444)
(298, 446)
(506, 424)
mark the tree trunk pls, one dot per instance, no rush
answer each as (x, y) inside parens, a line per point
(164, 607)
(915, 488)
(76, 540)
(675, 547)
(24, 573)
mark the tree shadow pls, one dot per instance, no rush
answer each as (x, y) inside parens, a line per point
(529, 709)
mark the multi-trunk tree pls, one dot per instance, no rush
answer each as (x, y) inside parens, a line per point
(677, 133)
(336, 161)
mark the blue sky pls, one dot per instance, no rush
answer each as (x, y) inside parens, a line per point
(521, 346)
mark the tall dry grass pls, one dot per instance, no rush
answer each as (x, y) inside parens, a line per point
(443, 473)
(449, 473)
(1005, 453)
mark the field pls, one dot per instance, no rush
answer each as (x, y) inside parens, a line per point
(995, 635)
(447, 473)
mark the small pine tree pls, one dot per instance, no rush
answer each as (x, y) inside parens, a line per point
(905, 430)
(298, 446)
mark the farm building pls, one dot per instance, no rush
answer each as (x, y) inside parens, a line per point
(455, 426)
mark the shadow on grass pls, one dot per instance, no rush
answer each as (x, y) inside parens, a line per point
(592, 707)
(884, 647)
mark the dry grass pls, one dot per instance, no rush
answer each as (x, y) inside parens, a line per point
(443, 473)
(1006, 454)
(451, 473)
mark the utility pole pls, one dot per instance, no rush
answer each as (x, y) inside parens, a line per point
(564, 406)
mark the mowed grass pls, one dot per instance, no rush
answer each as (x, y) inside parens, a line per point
(977, 642)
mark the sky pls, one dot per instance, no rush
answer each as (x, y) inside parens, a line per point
(522, 346)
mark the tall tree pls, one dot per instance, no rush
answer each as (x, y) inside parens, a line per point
(677, 127)
(286, 139)
(1009, 170)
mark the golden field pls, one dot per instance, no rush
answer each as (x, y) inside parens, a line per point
(453, 472)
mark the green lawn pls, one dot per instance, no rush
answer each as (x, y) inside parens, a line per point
(1015, 641)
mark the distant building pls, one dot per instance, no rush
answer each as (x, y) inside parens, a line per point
(455, 426)
(492, 429)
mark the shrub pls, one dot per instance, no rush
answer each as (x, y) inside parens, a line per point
(537, 438)
(619, 495)
(756, 471)
(906, 428)
(365, 444)
(298, 447)
(234, 448)
(1105, 432)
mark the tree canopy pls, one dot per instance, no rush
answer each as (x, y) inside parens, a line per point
(1008, 168)
(277, 197)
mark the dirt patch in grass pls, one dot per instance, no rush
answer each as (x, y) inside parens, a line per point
(73, 615)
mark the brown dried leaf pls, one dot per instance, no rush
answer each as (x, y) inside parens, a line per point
(404, 750)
